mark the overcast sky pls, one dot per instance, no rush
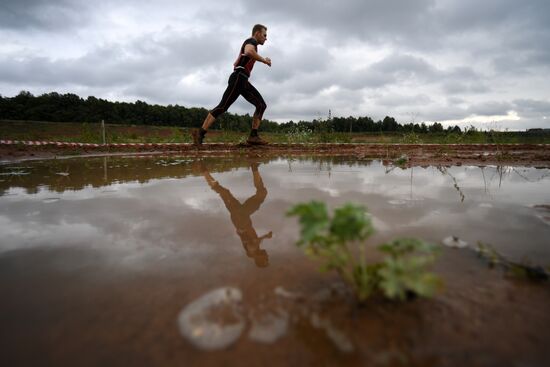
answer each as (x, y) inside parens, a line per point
(454, 61)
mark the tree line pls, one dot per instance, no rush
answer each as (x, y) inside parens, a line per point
(70, 107)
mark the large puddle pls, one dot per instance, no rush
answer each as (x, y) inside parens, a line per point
(177, 260)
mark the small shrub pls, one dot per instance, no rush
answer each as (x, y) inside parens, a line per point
(402, 273)
(411, 138)
(453, 138)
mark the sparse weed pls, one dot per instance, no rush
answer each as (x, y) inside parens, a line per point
(411, 138)
(299, 134)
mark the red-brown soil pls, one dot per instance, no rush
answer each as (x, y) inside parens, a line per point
(410, 154)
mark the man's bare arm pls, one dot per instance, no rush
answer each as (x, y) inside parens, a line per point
(250, 51)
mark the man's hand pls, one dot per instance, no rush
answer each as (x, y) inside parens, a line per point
(267, 61)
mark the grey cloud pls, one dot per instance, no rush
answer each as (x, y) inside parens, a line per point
(43, 14)
(491, 108)
(455, 100)
(394, 100)
(406, 65)
(399, 68)
(532, 108)
(365, 19)
(521, 61)
(395, 68)
(468, 14)
(440, 112)
(461, 87)
(462, 80)
(287, 64)
(499, 29)
(145, 58)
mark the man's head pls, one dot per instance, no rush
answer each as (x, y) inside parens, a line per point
(259, 32)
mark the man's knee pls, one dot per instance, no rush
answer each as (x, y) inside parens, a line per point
(217, 112)
(260, 109)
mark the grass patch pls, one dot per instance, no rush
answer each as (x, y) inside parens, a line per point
(92, 133)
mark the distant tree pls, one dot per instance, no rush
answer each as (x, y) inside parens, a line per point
(436, 127)
(70, 107)
(389, 124)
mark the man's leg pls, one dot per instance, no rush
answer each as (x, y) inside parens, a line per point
(252, 95)
(256, 122)
(198, 135)
(230, 95)
(208, 121)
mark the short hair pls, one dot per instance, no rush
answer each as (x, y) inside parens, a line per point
(258, 27)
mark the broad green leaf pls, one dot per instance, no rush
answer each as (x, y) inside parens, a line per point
(425, 284)
(313, 219)
(350, 223)
(403, 246)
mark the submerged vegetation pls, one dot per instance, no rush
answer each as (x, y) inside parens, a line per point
(339, 242)
(522, 270)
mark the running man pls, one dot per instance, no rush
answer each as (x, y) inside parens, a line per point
(238, 85)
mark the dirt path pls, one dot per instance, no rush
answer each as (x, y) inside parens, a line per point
(402, 154)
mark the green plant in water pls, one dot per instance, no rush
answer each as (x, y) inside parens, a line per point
(339, 243)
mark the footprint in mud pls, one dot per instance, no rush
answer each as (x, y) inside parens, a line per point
(216, 320)
(213, 321)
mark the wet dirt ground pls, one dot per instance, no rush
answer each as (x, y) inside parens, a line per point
(186, 260)
(537, 155)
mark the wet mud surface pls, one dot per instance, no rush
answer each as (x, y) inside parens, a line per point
(416, 154)
(180, 260)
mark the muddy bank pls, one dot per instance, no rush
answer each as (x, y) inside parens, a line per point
(411, 154)
(290, 316)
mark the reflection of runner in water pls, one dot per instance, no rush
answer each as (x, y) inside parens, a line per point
(240, 215)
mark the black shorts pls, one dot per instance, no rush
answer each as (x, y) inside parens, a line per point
(238, 85)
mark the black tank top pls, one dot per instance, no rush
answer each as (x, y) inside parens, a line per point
(246, 63)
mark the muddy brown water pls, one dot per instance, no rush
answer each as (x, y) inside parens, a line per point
(191, 261)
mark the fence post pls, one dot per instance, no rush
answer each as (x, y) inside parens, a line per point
(103, 130)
